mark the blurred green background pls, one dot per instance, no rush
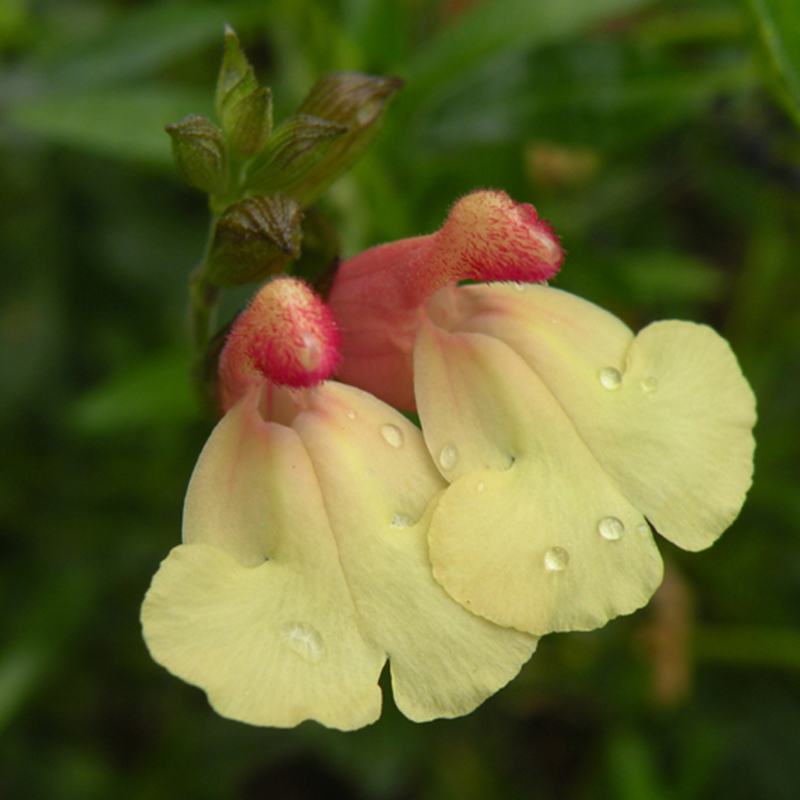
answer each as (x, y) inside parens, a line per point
(662, 141)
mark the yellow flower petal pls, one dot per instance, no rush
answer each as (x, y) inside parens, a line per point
(246, 636)
(668, 415)
(379, 480)
(337, 503)
(273, 642)
(531, 533)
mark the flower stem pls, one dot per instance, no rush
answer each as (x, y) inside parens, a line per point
(203, 302)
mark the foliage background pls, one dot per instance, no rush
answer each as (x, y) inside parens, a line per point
(661, 140)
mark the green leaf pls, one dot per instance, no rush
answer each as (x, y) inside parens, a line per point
(779, 26)
(21, 668)
(123, 123)
(500, 27)
(669, 277)
(153, 392)
(142, 41)
(602, 94)
(633, 771)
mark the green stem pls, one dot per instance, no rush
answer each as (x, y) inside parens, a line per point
(203, 302)
(203, 297)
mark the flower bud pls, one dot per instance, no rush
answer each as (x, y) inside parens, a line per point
(236, 81)
(377, 295)
(255, 238)
(487, 236)
(295, 149)
(250, 123)
(351, 99)
(287, 335)
(199, 152)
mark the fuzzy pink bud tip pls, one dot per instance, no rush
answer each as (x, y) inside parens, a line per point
(287, 335)
(378, 295)
(489, 237)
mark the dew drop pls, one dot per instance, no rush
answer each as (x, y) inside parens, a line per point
(351, 414)
(611, 528)
(481, 487)
(649, 384)
(448, 456)
(642, 529)
(304, 640)
(392, 435)
(555, 559)
(610, 378)
(401, 521)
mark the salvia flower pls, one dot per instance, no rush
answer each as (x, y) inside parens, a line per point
(565, 439)
(304, 563)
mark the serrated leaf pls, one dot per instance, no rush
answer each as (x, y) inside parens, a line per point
(255, 238)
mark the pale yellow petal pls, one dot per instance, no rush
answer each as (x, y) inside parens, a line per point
(668, 414)
(255, 608)
(684, 414)
(378, 481)
(270, 645)
(532, 533)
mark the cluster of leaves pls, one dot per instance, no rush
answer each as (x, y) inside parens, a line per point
(659, 137)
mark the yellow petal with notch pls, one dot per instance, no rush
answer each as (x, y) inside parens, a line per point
(305, 565)
(667, 414)
(254, 608)
(374, 466)
(532, 533)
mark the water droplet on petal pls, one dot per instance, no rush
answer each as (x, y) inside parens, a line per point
(642, 529)
(555, 559)
(402, 521)
(649, 384)
(611, 528)
(351, 414)
(304, 640)
(392, 435)
(481, 487)
(610, 378)
(448, 457)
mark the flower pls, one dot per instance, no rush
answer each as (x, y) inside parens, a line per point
(565, 438)
(304, 560)
(379, 296)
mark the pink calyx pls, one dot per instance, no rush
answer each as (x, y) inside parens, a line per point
(378, 295)
(287, 336)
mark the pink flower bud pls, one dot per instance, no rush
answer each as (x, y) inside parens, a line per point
(378, 295)
(287, 335)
